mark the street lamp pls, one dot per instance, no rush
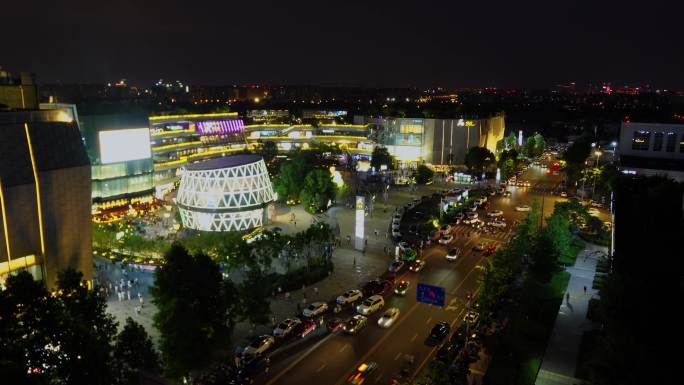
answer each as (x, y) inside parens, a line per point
(593, 187)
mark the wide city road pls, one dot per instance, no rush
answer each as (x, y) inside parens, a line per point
(330, 358)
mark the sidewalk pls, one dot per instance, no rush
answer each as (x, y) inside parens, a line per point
(560, 360)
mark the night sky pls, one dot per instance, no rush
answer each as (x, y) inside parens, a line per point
(419, 43)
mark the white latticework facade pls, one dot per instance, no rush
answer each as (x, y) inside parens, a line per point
(225, 199)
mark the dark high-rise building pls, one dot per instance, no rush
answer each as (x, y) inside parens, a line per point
(45, 222)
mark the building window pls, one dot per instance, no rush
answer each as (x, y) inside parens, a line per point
(657, 141)
(671, 142)
(641, 140)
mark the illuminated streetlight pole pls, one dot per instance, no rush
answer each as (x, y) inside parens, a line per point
(593, 187)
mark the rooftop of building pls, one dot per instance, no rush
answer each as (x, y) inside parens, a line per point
(225, 162)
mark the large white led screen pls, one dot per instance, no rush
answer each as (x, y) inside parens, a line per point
(122, 145)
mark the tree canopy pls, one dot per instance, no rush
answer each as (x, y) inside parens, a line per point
(424, 174)
(478, 159)
(381, 157)
(318, 189)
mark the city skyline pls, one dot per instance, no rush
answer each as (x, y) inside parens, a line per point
(403, 44)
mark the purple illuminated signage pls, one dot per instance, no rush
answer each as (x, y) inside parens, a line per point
(220, 126)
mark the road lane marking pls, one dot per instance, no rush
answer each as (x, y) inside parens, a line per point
(344, 347)
(321, 368)
(428, 320)
(298, 360)
(397, 357)
(414, 337)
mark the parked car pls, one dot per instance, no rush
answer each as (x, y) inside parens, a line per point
(440, 330)
(417, 265)
(355, 324)
(371, 305)
(315, 309)
(259, 345)
(349, 296)
(285, 327)
(388, 317)
(446, 239)
(396, 233)
(495, 213)
(564, 194)
(402, 287)
(453, 254)
(523, 208)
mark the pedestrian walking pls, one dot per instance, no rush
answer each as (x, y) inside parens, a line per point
(567, 297)
(376, 233)
(354, 261)
(585, 290)
(128, 294)
(142, 301)
(295, 223)
(120, 294)
(316, 291)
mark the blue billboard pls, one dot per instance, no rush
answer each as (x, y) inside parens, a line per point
(433, 295)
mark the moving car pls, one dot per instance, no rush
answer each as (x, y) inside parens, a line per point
(396, 233)
(440, 330)
(303, 328)
(315, 309)
(564, 194)
(495, 213)
(446, 239)
(417, 265)
(396, 266)
(522, 208)
(362, 373)
(471, 317)
(285, 327)
(471, 216)
(480, 246)
(507, 194)
(453, 254)
(402, 287)
(490, 250)
(446, 229)
(334, 324)
(355, 324)
(371, 305)
(388, 317)
(499, 224)
(259, 345)
(376, 286)
(349, 296)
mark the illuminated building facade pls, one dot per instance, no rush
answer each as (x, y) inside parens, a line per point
(45, 193)
(287, 137)
(178, 140)
(652, 149)
(122, 167)
(18, 93)
(225, 194)
(436, 141)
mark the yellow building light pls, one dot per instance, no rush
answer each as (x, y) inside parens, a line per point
(189, 116)
(4, 222)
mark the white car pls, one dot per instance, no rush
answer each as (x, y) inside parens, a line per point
(395, 226)
(500, 224)
(523, 208)
(403, 246)
(594, 212)
(388, 317)
(285, 327)
(564, 194)
(446, 239)
(349, 296)
(371, 305)
(259, 345)
(453, 254)
(396, 233)
(315, 309)
(446, 229)
(397, 217)
(495, 213)
(472, 215)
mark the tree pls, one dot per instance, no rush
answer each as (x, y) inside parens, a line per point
(288, 182)
(134, 353)
(86, 334)
(578, 151)
(255, 292)
(424, 174)
(511, 141)
(530, 145)
(539, 144)
(478, 159)
(269, 150)
(507, 163)
(317, 191)
(193, 314)
(381, 157)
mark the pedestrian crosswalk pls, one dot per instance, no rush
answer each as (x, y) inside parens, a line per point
(491, 234)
